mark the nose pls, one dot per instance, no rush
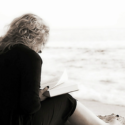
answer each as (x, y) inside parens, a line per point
(40, 51)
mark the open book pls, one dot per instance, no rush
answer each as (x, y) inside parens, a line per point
(59, 86)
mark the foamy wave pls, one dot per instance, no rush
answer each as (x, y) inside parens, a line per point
(98, 67)
(107, 96)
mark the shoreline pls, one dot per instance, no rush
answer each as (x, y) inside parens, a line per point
(99, 108)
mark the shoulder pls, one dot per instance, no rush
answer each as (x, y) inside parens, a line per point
(26, 53)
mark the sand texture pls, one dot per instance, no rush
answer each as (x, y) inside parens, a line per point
(105, 111)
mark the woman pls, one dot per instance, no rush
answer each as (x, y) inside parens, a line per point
(22, 103)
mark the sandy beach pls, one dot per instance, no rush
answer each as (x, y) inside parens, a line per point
(99, 108)
(103, 109)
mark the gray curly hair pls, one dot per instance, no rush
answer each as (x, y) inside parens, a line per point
(28, 29)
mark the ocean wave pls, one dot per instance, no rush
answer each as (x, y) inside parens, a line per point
(98, 68)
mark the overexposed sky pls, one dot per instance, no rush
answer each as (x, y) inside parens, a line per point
(67, 13)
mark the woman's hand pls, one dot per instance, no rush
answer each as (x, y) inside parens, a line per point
(41, 91)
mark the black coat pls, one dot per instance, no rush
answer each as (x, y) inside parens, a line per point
(20, 73)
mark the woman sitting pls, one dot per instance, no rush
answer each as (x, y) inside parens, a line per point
(22, 102)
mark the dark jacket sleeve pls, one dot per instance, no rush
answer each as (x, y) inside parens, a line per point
(30, 69)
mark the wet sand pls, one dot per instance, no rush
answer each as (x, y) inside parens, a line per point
(99, 108)
(103, 109)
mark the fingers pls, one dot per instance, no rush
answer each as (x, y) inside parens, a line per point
(45, 89)
(42, 98)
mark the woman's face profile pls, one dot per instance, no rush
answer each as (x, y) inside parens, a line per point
(40, 48)
(37, 48)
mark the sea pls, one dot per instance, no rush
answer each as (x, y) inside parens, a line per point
(93, 58)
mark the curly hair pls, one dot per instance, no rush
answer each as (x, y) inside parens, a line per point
(28, 29)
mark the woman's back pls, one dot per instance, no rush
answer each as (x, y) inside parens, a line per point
(9, 84)
(12, 64)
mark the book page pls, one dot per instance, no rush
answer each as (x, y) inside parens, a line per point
(62, 89)
(52, 83)
(63, 79)
(64, 85)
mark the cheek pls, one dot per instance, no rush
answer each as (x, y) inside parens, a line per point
(39, 47)
(35, 49)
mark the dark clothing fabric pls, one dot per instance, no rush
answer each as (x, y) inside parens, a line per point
(55, 111)
(20, 72)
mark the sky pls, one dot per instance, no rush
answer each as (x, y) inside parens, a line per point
(67, 14)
